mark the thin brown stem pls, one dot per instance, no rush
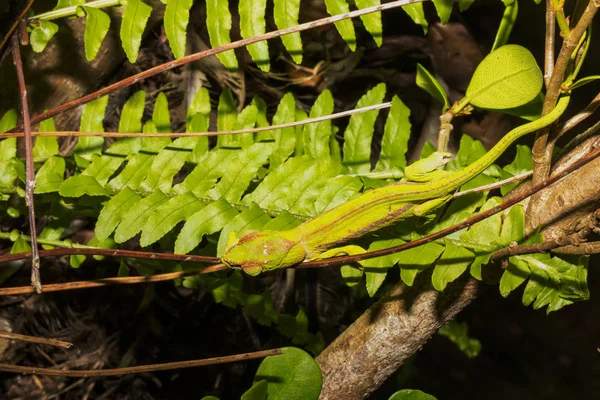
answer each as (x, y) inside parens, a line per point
(495, 185)
(19, 369)
(210, 52)
(194, 134)
(36, 281)
(34, 339)
(549, 43)
(91, 251)
(128, 280)
(578, 118)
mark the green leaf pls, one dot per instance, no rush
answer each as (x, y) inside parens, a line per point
(258, 391)
(315, 136)
(285, 139)
(506, 25)
(417, 259)
(395, 138)
(210, 219)
(416, 13)
(515, 274)
(45, 146)
(293, 375)
(167, 163)
(410, 394)
(250, 220)
(286, 13)
(113, 212)
(167, 215)
(237, 176)
(522, 163)
(584, 81)
(78, 185)
(453, 262)
(344, 27)
(92, 118)
(136, 217)
(508, 77)
(351, 275)
(372, 21)
(261, 120)
(245, 120)
(427, 82)
(52, 231)
(160, 114)
(459, 335)
(41, 34)
(252, 23)
(8, 121)
(210, 167)
(464, 5)
(96, 27)
(226, 119)
(8, 150)
(177, 16)
(50, 176)
(359, 133)
(217, 12)
(389, 260)
(197, 121)
(513, 227)
(444, 9)
(135, 18)
(68, 3)
(133, 110)
(469, 151)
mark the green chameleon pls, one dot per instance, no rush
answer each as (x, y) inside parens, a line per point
(426, 188)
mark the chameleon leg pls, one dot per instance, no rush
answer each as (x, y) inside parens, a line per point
(429, 206)
(349, 250)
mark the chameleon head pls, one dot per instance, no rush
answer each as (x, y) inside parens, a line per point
(258, 252)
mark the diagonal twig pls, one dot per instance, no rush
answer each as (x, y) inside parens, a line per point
(36, 281)
(35, 339)
(19, 369)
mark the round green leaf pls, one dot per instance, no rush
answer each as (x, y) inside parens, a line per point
(508, 77)
(293, 375)
(409, 394)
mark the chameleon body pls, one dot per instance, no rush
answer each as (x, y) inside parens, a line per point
(320, 237)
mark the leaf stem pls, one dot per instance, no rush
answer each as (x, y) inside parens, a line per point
(72, 10)
(35, 339)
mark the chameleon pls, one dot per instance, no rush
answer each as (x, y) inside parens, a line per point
(426, 187)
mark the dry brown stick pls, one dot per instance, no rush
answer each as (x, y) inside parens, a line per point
(549, 43)
(307, 121)
(70, 251)
(19, 369)
(210, 52)
(578, 118)
(36, 281)
(35, 339)
(128, 280)
(13, 28)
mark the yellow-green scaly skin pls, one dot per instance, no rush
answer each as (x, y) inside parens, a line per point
(268, 250)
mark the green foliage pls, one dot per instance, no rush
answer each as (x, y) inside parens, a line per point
(96, 28)
(293, 375)
(508, 77)
(427, 82)
(42, 32)
(135, 18)
(458, 334)
(410, 394)
(177, 15)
